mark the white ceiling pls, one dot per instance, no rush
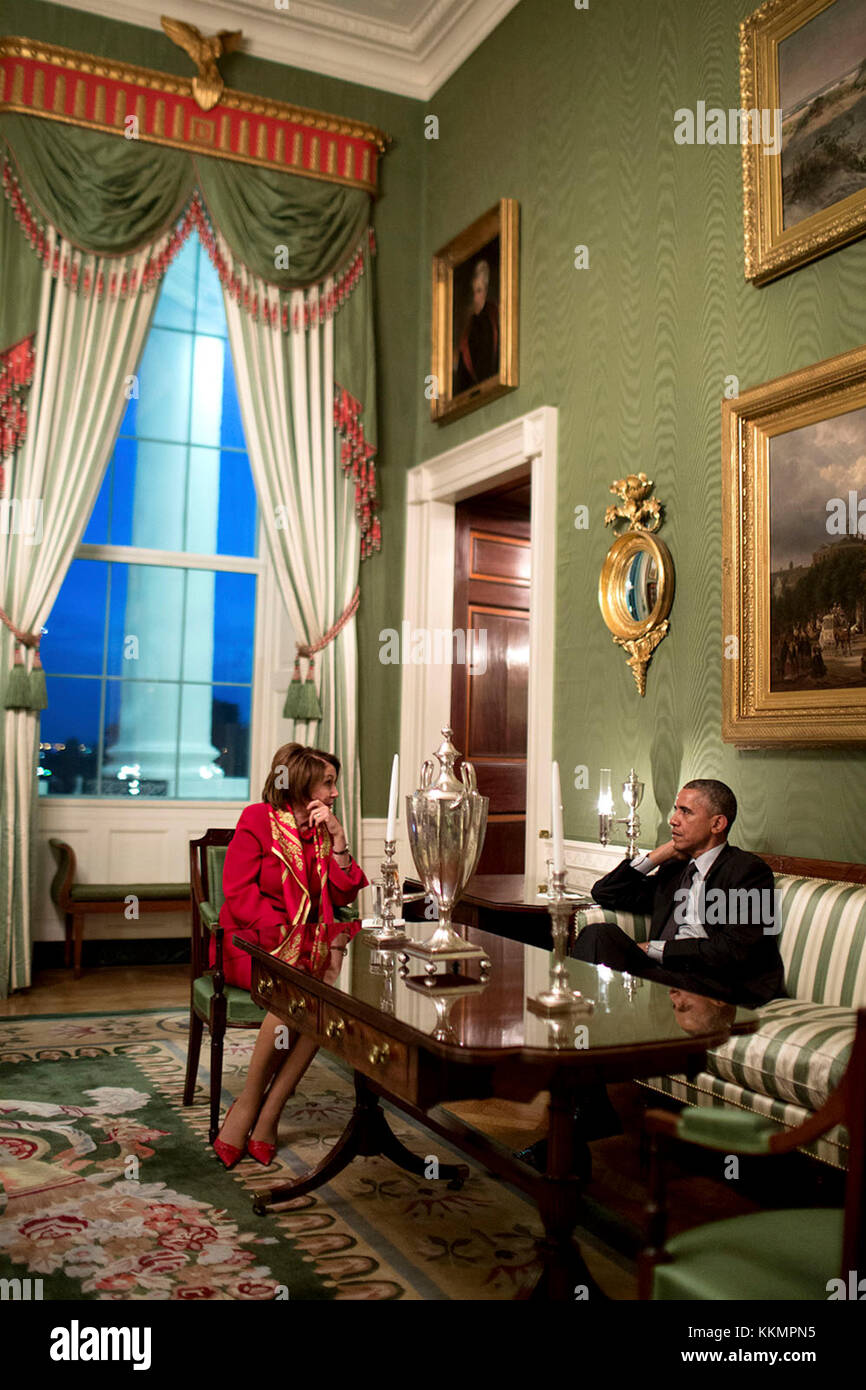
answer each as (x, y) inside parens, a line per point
(406, 46)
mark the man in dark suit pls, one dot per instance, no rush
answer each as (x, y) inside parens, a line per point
(714, 930)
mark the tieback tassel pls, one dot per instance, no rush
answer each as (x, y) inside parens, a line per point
(18, 685)
(294, 694)
(38, 687)
(311, 708)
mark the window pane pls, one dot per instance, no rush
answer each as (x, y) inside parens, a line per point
(97, 527)
(203, 502)
(145, 622)
(232, 429)
(69, 737)
(75, 632)
(150, 486)
(231, 734)
(165, 380)
(140, 739)
(176, 305)
(238, 513)
(233, 627)
(207, 390)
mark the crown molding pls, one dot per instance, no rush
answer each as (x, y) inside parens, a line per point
(410, 60)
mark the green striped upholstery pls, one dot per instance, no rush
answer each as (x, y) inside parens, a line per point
(823, 940)
(634, 924)
(788, 1068)
(705, 1089)
(216, 858)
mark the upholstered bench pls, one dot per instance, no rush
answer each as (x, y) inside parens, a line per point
(786, 1070)
(78, 900)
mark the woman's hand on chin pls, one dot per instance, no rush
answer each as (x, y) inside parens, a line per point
(320, 814)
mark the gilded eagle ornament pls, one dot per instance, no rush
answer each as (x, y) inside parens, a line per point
(207, 87)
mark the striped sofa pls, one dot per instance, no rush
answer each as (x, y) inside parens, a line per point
(797, 1057)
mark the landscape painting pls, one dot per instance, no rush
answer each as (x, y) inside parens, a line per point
(817, 482)
(822, 94)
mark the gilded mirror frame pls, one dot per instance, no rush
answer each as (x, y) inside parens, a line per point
(638, 637)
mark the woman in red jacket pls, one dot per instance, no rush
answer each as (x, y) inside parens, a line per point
(286, 869)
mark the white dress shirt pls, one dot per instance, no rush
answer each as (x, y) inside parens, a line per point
(691, 925)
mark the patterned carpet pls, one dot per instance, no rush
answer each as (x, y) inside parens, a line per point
(110, 1190)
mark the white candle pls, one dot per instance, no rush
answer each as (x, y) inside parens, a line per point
(392, 799)
(556, 816)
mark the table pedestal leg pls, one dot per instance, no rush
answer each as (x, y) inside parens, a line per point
(564, 1276)
(367, 1134)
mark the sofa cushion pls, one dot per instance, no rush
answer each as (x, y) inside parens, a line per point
(823, 939)
(799, 1052)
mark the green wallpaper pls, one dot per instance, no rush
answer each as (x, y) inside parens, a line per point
(398, 294)
(571, 112)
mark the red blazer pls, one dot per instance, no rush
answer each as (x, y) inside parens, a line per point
(266, 893)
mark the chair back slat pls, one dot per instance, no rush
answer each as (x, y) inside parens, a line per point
(64, 875)
(206, 858)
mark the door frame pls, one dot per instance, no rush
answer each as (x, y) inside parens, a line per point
(433, 490)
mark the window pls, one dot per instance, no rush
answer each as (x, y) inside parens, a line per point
(149, 647)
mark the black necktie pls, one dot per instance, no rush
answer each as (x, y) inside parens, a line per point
(677, 917)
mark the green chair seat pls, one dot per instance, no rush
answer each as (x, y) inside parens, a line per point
(239, 1004)
(116, 892)
(785, 1255)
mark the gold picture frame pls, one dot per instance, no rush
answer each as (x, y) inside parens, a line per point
(793, 580)
(792, 208)
(475, 308)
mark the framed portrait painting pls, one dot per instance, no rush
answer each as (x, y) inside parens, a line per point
(802, 64)
(475, 314)
(794, 558)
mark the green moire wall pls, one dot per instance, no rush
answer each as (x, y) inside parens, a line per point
(571, 112)
(398, 297)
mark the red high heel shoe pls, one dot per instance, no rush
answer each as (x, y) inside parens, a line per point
(261, 1152)
(228, 1154)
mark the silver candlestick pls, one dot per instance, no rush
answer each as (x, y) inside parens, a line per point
(388, 898)
(560, 997)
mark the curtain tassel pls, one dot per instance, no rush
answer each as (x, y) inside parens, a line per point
(294, 694)
(302, 698)
(38, 691)
(18, 687)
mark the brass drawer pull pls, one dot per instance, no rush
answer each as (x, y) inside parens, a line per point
(335, 1029)
(378, 1056)
(266, 985)
(296, 1007)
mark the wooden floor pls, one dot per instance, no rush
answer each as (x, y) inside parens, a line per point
(697, 1192)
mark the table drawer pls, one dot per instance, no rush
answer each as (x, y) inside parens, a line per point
(382, 1059)
(297, 1006)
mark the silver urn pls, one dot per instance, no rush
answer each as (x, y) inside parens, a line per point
(446, 821)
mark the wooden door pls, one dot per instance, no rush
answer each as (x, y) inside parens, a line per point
(489, 693)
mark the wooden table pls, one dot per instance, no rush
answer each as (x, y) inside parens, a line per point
(379, 1018)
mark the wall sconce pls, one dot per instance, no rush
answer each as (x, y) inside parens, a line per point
(632, 792)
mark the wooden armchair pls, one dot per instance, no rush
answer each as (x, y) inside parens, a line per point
(791, 1254)
(213, 1003)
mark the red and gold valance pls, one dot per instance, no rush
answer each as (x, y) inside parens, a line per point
(79, 89)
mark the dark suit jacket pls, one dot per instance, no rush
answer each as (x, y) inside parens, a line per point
(739, 959)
